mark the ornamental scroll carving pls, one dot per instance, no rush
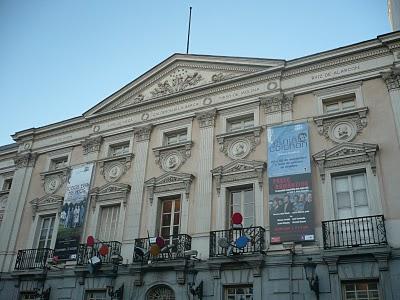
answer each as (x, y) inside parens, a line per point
(91, 144)
(110, 191)
(342, 126)
(171, 181)
(277, 103)
(238, 145)
(180, 80)
(25, 160)
(346, 154)
(171, 157)
(239, 170)
(114, 168)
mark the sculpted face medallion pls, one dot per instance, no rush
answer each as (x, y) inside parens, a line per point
(171, 162)
(342, 131)
(114, 172)
(239, 149)
(52, 184)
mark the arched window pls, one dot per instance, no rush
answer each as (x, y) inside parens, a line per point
(161, 292)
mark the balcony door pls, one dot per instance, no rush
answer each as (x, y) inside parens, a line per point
(170, 217)
(242, 201)
(45, 231)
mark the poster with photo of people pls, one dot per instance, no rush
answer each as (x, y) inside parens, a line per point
(72, 216)
(290, 193)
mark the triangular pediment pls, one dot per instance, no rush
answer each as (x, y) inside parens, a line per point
(181, 73)
(345, 150)
(239, 166)
(47, 202)
(111, 187)
(170, 178)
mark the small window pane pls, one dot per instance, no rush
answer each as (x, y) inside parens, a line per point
(332, 107)
(348, 104)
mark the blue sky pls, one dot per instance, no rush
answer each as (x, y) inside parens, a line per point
(58, 58)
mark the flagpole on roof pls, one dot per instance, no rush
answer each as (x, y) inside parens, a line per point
(188, 37)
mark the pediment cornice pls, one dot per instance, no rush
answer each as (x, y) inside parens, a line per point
(45, 203)
(110, 191)
(346, 154)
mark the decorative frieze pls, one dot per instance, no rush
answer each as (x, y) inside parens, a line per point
(143, 133)
(91, 144)
(239, 144)
(221, 77)
(178, 81)
(171, 157)
(239, 170)
(25, 160)
(206, 118)
(342, 126)
(346, 154)
(277, 103)
(392, 79)
(171, 181)
(114, 168)
(110, 191)
(53, 180)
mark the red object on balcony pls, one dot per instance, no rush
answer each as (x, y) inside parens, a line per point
(90, 241)
(103, 250)
(237, 218)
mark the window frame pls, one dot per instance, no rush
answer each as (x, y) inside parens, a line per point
(55, 161)
(112, 146)
(37, 226)
(237, 286)
(239, 112)
(161, 214)
(117, 236)
(367, 281)
(229, 206)
(56, 155)
(175, 127)
(177, 134)
(239, 119)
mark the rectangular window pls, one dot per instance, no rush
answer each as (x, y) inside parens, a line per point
(350, 194)
(242, 200)
(240, 123)
(175, 137)
(45, 231)
(108, 228)
(7, 184)
(95, 295)
(361, 290)
(170, 217)
(27, 296)
(59, 163)
(339, 104)
(239, 292)
(119, 149)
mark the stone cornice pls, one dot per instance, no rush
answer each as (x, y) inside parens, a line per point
(109, 191)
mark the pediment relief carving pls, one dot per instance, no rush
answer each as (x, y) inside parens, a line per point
(47, 202)
(342, 126)
(171, 181)
(239, 144)
(171, 157)
(239, 170)
(52, 181)
(346, 154)
(113, 168)
(110, 191)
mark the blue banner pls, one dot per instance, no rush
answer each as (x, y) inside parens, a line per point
(288, 150)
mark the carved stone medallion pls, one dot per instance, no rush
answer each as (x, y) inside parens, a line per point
(342, 131)
(239, 149)
(114, 171)
(52, 184)
(171, 161)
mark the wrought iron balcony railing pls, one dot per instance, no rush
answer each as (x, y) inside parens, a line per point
(86, 252)
(174, 248)
(248, 240)
(354, 232)
(28, 259)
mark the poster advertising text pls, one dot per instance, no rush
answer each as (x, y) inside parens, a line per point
(290, 192)
(72, 216)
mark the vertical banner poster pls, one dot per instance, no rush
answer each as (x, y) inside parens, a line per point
(73, 212)
(290, 193)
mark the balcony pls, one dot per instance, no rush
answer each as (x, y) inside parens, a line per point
(241, 241)
(29, 259)
(354, 232)
(86, 252)
(174, 248)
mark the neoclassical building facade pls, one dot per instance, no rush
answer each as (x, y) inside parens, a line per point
(138, 197)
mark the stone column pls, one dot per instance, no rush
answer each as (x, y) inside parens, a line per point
(135, 201)
(384, 275)
(392, 80)
(9, 229)
(332, 262)
(202, 201)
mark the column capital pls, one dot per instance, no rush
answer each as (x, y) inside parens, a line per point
(392, 79)
(91, 144)
(23, 160)
(277, 103)
(143, 133)
(207, 118)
